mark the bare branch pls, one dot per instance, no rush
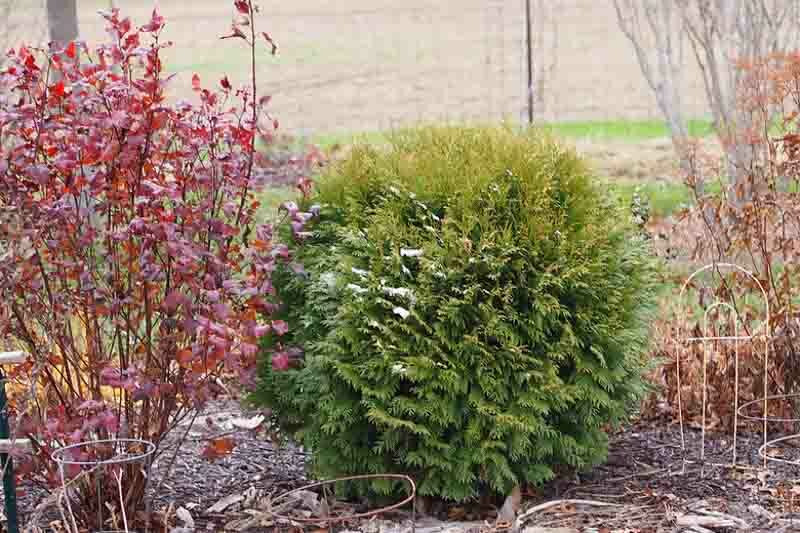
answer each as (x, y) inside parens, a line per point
(724, 35)
(655, 30)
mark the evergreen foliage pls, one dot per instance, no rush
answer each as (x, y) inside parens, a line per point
(473, 312)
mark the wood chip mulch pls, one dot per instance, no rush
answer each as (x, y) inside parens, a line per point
(647, 485)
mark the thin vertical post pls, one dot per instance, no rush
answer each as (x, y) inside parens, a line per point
(9, 490)
(529, 40)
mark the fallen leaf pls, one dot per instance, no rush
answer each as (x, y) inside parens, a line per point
(248, 423)
(456, 513)
(185, 516)
(224, 503)
(218, 448)
(323, 510)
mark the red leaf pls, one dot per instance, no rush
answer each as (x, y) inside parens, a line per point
(242, 6)
(30, 62)
(109, 152)
(132, 41)
(195, 274)
(124, 26)
(58, 89)
(159, 120)
(264, 100)
(155, 24)
(271, 42)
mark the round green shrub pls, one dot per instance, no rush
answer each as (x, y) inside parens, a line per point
(473, 312)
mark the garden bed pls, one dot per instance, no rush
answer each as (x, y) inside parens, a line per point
(645, 486)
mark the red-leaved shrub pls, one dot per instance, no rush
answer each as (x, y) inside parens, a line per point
(132, 267)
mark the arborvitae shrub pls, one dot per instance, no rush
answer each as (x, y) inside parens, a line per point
(473, 312)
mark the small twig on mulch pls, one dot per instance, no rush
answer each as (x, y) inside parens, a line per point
(572, 511)
(638, 475)
(547, 505)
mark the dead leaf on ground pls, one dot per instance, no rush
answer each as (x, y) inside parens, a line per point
(218, 448)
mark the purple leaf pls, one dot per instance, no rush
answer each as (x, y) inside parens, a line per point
(280, 327)
(248, 350)
(260, 331)
(111, 377)
(40, 174)
(280, 362)
(109, 421)
(281, 250)
(173, 300)
(264, 232)
(91, 404)
(221, 311)
(219, 342)
(289, 207)
(189, 326)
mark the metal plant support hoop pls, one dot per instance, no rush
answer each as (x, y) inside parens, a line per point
(124, 452)
(736, 338)
(331, 520)
(773, 443)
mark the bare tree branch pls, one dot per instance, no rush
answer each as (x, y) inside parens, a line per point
(655, 30)
(724, 35)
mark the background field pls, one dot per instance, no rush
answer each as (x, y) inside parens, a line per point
(364, 65)
(355, 68)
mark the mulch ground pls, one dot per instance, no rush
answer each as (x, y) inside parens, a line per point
(655, 482)
(648, 485)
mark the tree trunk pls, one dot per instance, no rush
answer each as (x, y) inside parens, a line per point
(62, 19)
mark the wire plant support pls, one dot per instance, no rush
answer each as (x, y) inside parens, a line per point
(761, 333)
(101, 457)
